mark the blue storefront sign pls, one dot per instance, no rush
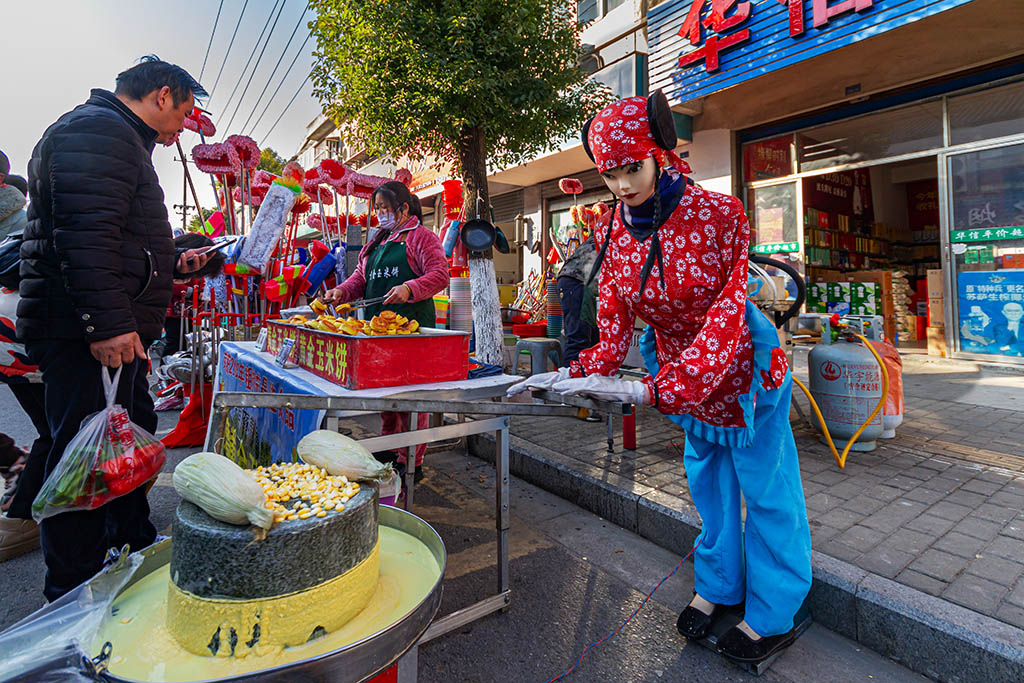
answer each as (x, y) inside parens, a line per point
(260, 437)
(698, 47)
(992, 312)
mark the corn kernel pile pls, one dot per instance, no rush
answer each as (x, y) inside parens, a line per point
(300, 491)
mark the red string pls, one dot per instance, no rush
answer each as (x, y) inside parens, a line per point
(628, 619)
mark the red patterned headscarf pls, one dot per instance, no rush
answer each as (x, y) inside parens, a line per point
(621, 134)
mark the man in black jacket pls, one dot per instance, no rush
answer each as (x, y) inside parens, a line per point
(97, 264)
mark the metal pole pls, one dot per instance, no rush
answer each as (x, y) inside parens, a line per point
(184, 205)
(611, 434)
(501, 492)
(213, 184)
(188, 180)
(410, 464)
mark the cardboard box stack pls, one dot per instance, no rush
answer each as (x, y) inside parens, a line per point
(906, 320)
(856, 298)
(936, 315)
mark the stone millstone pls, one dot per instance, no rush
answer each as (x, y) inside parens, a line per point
(212, 559)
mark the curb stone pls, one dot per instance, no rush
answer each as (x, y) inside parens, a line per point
(928, 635)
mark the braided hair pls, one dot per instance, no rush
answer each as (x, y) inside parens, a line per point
(655, 251)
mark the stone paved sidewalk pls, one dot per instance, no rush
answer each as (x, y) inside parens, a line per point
(940, 508)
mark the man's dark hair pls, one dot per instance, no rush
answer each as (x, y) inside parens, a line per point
(5, 164)
(152, 74)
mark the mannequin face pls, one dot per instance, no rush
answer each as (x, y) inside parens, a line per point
(633, 184)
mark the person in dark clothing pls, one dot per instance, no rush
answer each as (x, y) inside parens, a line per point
(97, 263)
(579, 314)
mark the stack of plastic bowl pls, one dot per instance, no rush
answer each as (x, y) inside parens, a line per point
(554, 310)
(460, 308)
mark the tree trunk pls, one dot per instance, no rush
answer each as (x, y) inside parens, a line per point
(482, 279)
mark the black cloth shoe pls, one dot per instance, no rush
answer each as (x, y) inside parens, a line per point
(695, 625)
(737, 645)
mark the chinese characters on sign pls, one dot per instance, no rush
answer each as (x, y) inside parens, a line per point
(987, 234)
(776, 248)
(718, 24)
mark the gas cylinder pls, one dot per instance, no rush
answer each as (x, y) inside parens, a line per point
(846, 383)
(892, 414)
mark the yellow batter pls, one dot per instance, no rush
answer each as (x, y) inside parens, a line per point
(144, 649)
(264, 624)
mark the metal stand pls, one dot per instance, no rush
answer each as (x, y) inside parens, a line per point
(497, 423)
(496, 419)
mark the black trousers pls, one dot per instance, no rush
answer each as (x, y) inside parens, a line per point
(172, 335)
(31, 397)
(75, 543)
(578, 334)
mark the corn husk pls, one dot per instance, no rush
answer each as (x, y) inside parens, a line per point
(341, 456)
(222, 489)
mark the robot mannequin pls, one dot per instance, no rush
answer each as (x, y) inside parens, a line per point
(675, 256)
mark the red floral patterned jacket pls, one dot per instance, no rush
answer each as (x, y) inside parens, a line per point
(704, 347)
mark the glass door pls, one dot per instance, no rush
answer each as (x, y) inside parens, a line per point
(983, 271)
(773, 212)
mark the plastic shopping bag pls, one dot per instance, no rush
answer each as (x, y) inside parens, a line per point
(108, 458)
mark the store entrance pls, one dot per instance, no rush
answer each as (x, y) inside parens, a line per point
(863, 223)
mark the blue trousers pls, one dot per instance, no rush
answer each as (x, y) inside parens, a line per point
(767, 562)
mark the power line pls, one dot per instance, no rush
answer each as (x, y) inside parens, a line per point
(210, 44)
(276, 66)
(278, 89)
(286, 107)
(251, 55)
(232, 42)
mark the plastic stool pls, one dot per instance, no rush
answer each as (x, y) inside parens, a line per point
(540, 349)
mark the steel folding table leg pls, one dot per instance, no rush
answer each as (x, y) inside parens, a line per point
(501, 492)
(410, 464)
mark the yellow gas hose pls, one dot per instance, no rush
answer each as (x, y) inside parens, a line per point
(841, 459)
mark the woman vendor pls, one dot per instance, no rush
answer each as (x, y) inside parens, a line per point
(406, 263)
(675, 256)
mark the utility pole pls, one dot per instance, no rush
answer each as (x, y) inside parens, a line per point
(184, 210)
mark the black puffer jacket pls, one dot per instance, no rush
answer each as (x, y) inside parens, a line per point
(98, 256)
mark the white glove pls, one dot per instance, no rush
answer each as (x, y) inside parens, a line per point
(544, 380)
(605, 389)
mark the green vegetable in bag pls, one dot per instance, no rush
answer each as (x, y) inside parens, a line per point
(341, 456)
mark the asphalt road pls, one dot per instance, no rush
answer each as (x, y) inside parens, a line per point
(575, 579)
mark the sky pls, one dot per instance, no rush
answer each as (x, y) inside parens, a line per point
(58, 50)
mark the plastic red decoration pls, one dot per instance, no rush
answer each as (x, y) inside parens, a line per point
(217, 158)
(248, 150)
(347, 181)
(600, 209)
(404, 176)
(199, 122)
(294, 170)
(570, 185)
(553, 257)
(302, 204)
(263, 178)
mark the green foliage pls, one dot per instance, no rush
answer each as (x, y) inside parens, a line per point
(270, 161)
(196, 225)
(416, 76)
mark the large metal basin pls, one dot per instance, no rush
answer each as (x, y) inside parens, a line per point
(357, 661)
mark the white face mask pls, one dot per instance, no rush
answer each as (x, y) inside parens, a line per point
(386, 221)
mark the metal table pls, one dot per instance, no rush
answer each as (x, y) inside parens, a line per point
(490, 416)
